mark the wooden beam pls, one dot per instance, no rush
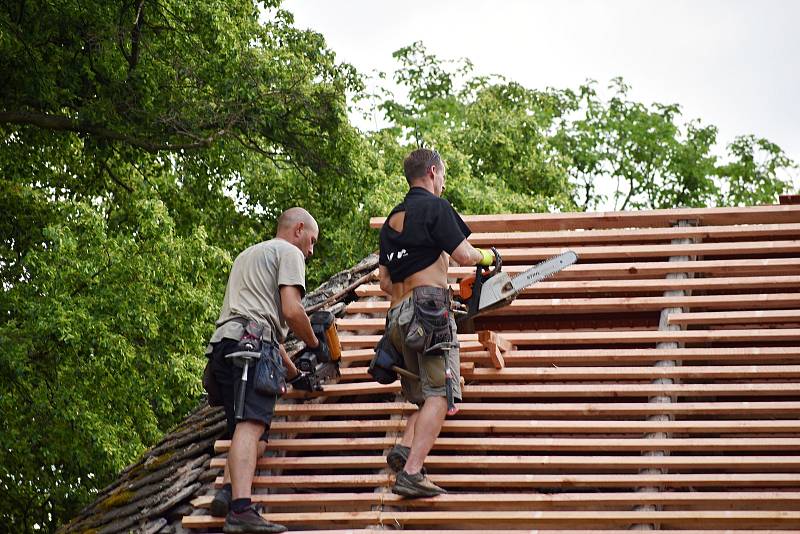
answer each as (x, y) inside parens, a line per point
(581, 337)
(522, 222)
(631, 285)
(737, 248)
(534, 501)
(730, 372)
(596, 271)
(496, 345)
(502, 391)
(775, 463)
(538, 531)
(545, 426)
(623, 235)
(691, 518)
(618, 304)
(561, 357)
(736, 317)
(504, 444)
(543, 374)
(498, 391)
(488, 336)
(542, 409)
(536, 481)
(611, 356)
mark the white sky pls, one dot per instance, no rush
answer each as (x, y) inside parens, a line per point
(731, 63)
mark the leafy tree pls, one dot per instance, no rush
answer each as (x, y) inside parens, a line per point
(752, 175)
(143, 145)
(510, 148)
(493, 134)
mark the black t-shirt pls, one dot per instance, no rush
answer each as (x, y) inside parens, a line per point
(431, 226)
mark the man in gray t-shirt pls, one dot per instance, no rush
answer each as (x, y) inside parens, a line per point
(254, 284)
(266, 285)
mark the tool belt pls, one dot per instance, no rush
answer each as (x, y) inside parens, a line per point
(428, 333)
(255, 347)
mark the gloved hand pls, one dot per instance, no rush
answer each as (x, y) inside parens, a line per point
(299, 381)
(322, 350)
(489, 257)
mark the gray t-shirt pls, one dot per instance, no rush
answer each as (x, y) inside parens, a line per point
(253, 289)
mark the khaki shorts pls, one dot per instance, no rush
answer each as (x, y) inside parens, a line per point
(431, 368)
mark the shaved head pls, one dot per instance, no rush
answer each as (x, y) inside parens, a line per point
(292, 216)
(299, 228)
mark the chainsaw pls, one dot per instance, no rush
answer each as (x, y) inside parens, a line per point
(490, 289)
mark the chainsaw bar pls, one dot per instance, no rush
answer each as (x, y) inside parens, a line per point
(501, 289)
(543, 270)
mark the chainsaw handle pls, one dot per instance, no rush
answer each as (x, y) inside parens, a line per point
(482, 271)
(498, 261)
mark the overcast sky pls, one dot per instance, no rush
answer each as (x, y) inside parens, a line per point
(731, 63)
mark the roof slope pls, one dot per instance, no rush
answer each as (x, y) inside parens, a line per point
(154, 493)
(653, 385)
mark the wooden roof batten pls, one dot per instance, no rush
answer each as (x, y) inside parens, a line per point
(655, 385)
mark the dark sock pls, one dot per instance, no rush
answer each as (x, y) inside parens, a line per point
(228, 487)
(240, 505)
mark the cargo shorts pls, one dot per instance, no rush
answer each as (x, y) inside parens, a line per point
(430, 367)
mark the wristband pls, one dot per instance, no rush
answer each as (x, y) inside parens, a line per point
(487, 257)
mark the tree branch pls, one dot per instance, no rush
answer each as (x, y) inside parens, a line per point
(116, 180)
(135, 36)
(61, 123)
(630, 194)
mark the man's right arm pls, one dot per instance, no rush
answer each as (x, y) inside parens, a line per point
(295, 315)
(448, 228)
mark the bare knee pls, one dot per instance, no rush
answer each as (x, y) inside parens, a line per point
(435, 405)
(250, 431)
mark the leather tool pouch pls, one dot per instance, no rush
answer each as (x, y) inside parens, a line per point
(269, 373)
(269, 377)
(429, 331)
(386, 356)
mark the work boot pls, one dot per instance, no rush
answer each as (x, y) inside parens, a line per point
(415, 485)
(397, 457)
(249, 522)
(222, 502)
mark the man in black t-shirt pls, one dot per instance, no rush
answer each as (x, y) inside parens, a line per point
(418, 237)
